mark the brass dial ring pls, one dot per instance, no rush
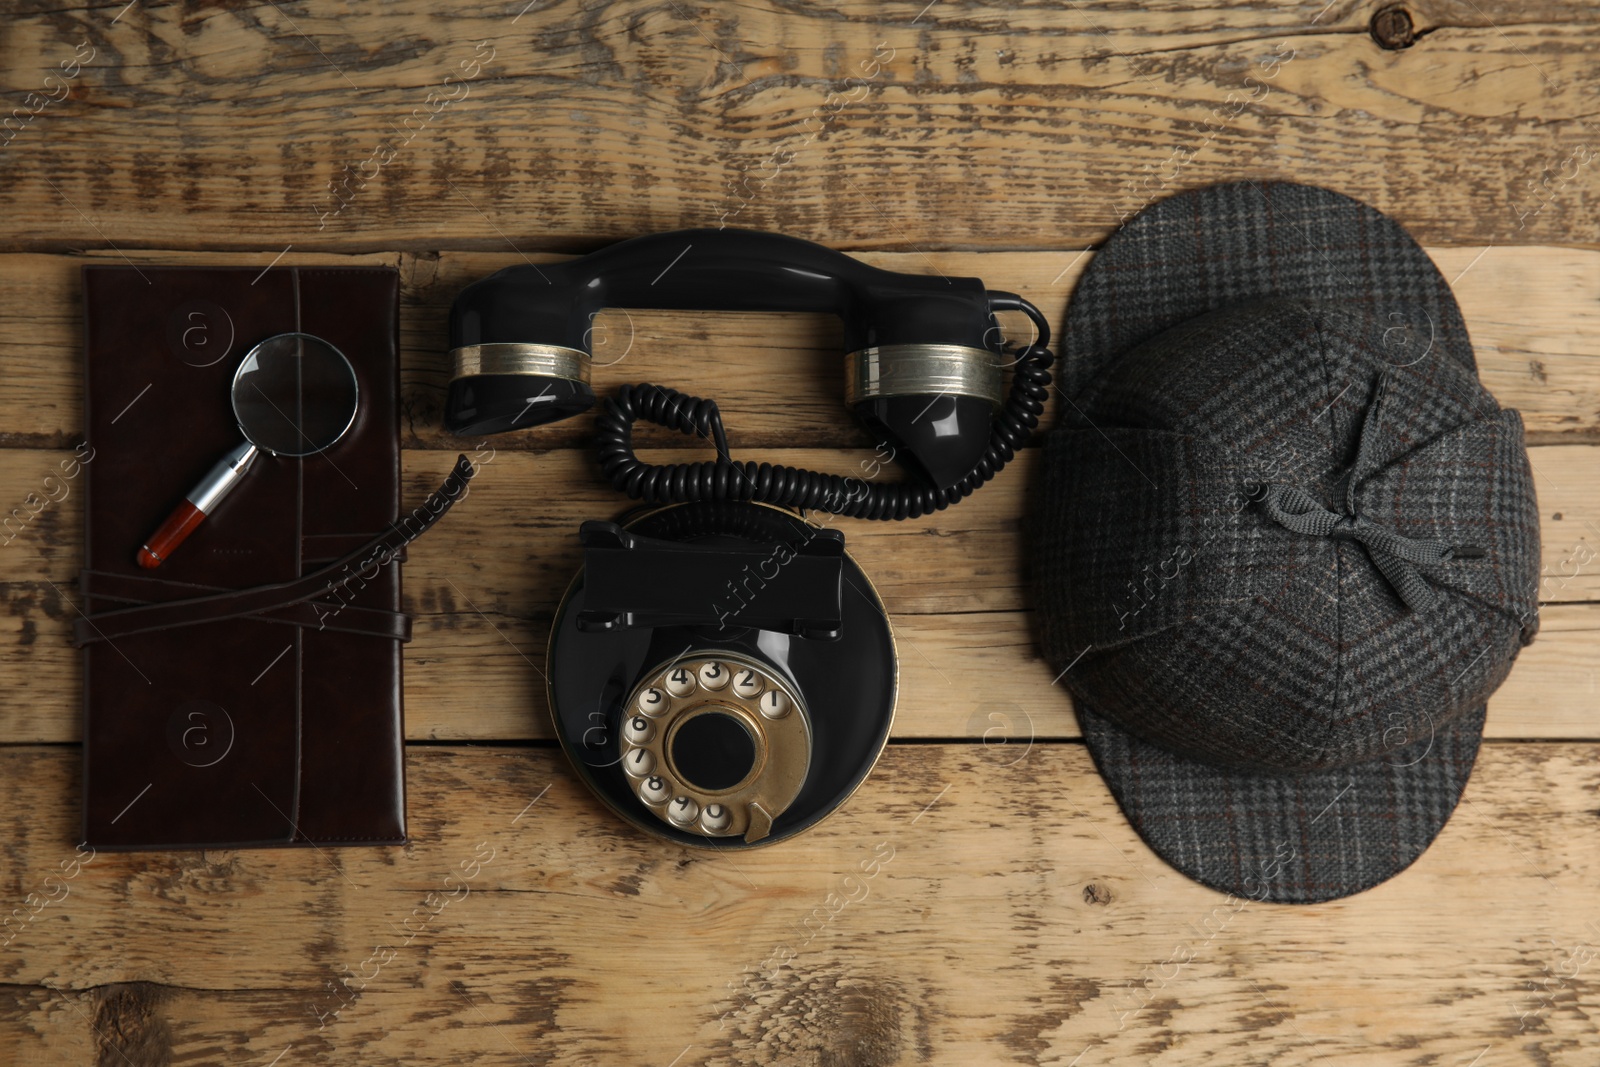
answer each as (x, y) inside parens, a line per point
(716, 744)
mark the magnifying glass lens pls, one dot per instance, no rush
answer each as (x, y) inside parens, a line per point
(294, 395)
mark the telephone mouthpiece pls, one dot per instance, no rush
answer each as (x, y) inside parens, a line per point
(499, 387)
(933, 403)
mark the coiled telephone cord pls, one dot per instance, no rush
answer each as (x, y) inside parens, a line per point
(792, 487)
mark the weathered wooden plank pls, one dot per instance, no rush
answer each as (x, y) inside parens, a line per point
(473, 677)
(1534, 314)
(956, 910)
(512, 547)
(978, 676)
(485, 583)
(905, 125)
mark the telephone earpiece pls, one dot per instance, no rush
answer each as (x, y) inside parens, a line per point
(924, 367)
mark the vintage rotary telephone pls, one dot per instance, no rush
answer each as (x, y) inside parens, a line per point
(721, 672)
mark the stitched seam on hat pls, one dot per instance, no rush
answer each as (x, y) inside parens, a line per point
(1494, 609)
(1152, 736)
(1480, 404)
(1338, 558)
(1176, 624)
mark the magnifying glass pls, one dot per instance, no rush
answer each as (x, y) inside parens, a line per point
(294, 395)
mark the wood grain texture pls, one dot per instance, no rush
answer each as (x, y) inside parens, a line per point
(486, 582)
(1534, 315)
(976, 676)
(1011, 914)
(958, 910)
(903, 125)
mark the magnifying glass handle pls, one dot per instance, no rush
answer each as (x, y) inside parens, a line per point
(201, 501)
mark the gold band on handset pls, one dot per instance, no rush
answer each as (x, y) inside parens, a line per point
(932, 370)
(553, 361)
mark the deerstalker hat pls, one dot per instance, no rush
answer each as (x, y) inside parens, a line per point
(1287, 543)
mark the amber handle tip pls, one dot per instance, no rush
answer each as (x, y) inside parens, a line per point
(172, 533)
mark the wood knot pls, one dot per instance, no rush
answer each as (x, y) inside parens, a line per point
(1392, 29)
(1093, 893)
(129, 1024)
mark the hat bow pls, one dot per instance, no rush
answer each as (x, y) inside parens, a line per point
(1396, 556)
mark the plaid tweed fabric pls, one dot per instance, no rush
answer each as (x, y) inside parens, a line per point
(1230, 244)
(1292, 839)
(1235, 678)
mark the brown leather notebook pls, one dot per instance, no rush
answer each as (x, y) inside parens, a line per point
(283, 727)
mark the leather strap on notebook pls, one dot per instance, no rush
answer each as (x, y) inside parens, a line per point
(318, 590)
(135, 590)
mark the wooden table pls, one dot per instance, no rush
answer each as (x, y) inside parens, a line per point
(1014, 917)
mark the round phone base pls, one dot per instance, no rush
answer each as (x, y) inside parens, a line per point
(724, 736)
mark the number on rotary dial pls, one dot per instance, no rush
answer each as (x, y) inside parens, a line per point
(680, 683)
(747, 683)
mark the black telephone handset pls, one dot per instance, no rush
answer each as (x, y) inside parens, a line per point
(925, 369)
(720, 672)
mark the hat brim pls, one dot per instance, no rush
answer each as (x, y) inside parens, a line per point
(1228, 244)
(1289, 838)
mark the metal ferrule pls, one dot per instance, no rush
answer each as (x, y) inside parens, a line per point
(548, 361)
(924, 370)
(221, 479)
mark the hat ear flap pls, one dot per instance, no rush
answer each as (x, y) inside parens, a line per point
(1470, 485)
